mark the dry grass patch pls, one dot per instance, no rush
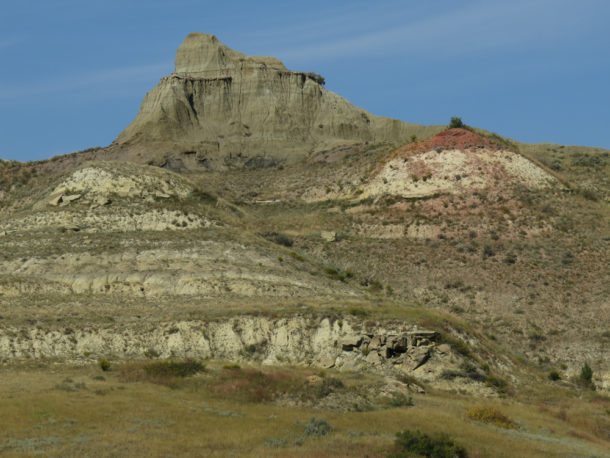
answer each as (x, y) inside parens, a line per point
(147, 419)
(166, 373)
(491, 415)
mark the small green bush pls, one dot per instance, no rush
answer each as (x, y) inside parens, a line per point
(401, 400)
(491, 415)
(316, 77)
(297, 256)
(458, 345)
(329, 385)
(174, 368)
(456, 123)
(510, 258)
(500, 385)
(488, 252)
(412, 443)
(586, 374)
(279, 238)
(104, 365)
(554, 376)
(375, 286)
(317, 427)
(355, 311)
(151, 353)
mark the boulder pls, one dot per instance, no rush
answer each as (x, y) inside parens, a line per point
(348, 343)
(373, 358)
(55, 201)
(416, 357)
(328, 236)
(65, 200)
(377, 342)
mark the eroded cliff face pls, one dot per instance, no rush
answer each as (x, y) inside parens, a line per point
(222, 108)
(345, 344)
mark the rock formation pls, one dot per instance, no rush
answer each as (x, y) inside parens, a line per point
(222, 108)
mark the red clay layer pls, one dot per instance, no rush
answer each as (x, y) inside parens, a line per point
(461, 139)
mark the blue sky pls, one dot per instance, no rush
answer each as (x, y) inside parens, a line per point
(74, 72)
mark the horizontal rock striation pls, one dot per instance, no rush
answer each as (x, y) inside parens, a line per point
(391, 348)
(221, 108)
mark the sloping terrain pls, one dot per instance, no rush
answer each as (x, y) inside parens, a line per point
(249, 215)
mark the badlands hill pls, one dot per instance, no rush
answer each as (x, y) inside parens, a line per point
(222, 108)
(249, 215)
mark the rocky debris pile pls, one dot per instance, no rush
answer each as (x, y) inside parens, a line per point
(408, 350)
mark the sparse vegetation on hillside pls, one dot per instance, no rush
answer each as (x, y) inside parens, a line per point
(317, 78)
(416, 443)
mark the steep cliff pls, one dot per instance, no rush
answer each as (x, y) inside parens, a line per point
(223, 108)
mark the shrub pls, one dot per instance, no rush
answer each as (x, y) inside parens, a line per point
(104, 365)
(491, 415)
(586, 374)
(412, 443)
(297, 256)
(456, 123)
(173, 368)
(335, 274)
(510, 258)
(458, 345)
(317, 78)
(467, 370)
(401, 400)
(488, 252)
(279, 238)
(499, 384)
(375, 286)
(151, 353)
(165, 373)
(317, 427)
(355, 311)
(554, 376)
(329, 385)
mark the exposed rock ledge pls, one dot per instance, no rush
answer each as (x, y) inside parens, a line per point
(343, 344)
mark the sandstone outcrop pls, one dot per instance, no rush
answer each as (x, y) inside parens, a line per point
(298, 340)
(221, 108)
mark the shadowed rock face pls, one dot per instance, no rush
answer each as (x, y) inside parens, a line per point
(222, 108)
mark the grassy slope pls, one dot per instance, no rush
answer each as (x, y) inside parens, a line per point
(546, 298)
(72, 411)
